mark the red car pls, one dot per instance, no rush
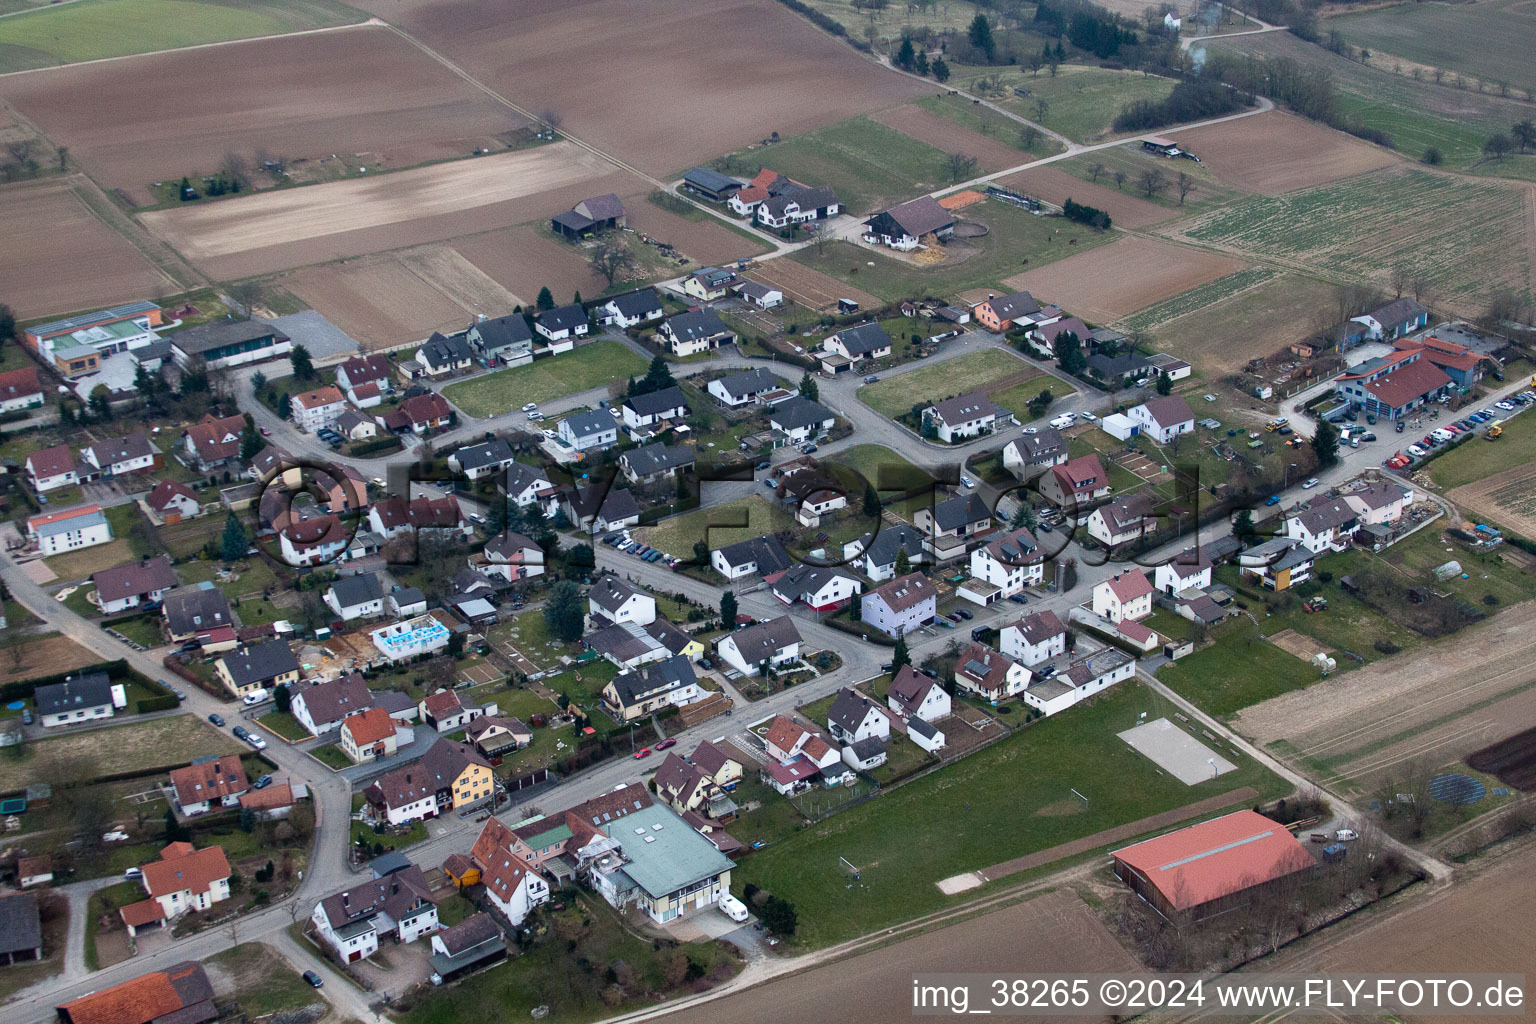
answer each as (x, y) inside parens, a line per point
(666, 743)
(642, 752)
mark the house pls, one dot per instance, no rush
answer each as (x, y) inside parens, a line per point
(180, 994)
(526, 485)
(599, 509)
(1086, 676)
(118, 456)
(406, 601)
(989, 674)
(631, 645)
(444, 711)
(513, 557)
(588, 217)
(193, 612)
(371, 733)
(214, 441)
(513, 887)
(1190, 569)
(80, 698)
(1163, 418)
(900, 606)
(800, 419)
(998, 313)
(395, 516)
(902, 226)
(1207, 869)
(653, 462)
(722, 767)
(613, 600)
(399, 905)
(19, 390)
(654, 408)
(739, 389)
(866, 754)
(321, 707)
(1323, 524)
(184, 879)
(709, 284)
(419, 414)
(495, 735)
(952, 524)
(561, 326)
(318, 409)
(48, 469)
(1035, 638)
(797, 205)
(314, 541)
(354, 426)
(263, 666)
(487, 458)
(1172, 367)
(173, 501)
(209, 783)
(402, 796)
(1464, 366)
(685, 787)
(968, 415)
(449, 777)
(1278, 564)
(775, 643)
(861, 341)
(359, 370)
(225, 343)
(1119, 370)
(129, 586)
(1393, 386)
(265, 466)
(31, 871)
(442, 356)
(1126, 595)
(1401, 316)
(473, 944)
(1076, 482)
(356, 597)
(630, 309)
(877, 555)
(821, 588)
(697, 330)
(710, 184)
(1378, 503)
(661, 866)
(915, 695)
(791, 777)
(760, 295)
(1010, 562)
(588, 430)
(1030, 455)
(81, 527)
(1122, 519)
(763, 555)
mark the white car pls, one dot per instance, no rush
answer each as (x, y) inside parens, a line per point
(133, 873)
(115, 836)
(530, 407)
(1029, 430)
(1416, 451)
(256, 741)
(254, 697)
(1209, 398)
(1090, 417)
(1344, 835)
(967, 481)
(1309, 484)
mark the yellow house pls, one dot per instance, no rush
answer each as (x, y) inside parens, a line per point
(722, 766)
(460, 775)
(257, 667)
(709, 284)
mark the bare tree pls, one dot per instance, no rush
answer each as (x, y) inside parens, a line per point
(1400, 277)
(1185, 185)
(1420, 286)
(1095, 169)
(236, 168)
(1119, 177)
(1416, 789)
(961, 166)
(1152, 181)
(613, 260)
(551, 119)
(1041, 108)
(1028, 136)
(248, 295)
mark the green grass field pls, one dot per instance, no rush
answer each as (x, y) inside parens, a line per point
(1207, 294)
(867, 460)
(1208, 191)
(868, 164)
(984, 823)
(590, 366)
(93, 29)
(1240, 669)
(1481, 39)
(1017, 241)
(263, 982)
(1468, 237)
(1016, 398)
(715, 525)
(1472, 460)
(1080, 102)
(978, 371)
(989, 123)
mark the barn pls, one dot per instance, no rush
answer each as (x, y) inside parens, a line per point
(711, 184)
(588, 217)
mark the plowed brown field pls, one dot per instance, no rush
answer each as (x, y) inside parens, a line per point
(1508, 498)
(522, 261)
(811, 288)
(1107, 282)
(1276, 152)
(926, 126)
(1057, 186)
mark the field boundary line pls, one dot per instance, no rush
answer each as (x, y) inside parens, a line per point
(370, 23)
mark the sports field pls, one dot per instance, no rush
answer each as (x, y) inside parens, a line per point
(590, 366)
(988, 370)
(93, 29)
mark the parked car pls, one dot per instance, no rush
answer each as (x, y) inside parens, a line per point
(1019, 599)
(256, 741)
(530, 407)
(871, 379)
(964, 614)
(240, 732)
(217, 719)
(810, 449)
(966, 481)
(1399, 426)
(1345, 835)
(953, 616)
(1090, 417)
(1029, 430)
(262, 783)
(642, 752)
(1273, 499)
(314, 979)
(1416, 451)
(1309, 484)
(764, 465)
(666, 744)
(254, 697)
(265, 432)
(115, 836)
(133, 873)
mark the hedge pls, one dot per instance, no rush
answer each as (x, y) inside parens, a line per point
(166, 703)
(22, 689)
(378, 444)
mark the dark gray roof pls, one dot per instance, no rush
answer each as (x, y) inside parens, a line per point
(404, 596)
(75, 694)
(671, 673)
(961, 510)
(919, 217)
(869, 747)
(849, 709)
(1045, 443)
(751, 382)
(799, 412)
(712, 180)
(964, 408)
(439, 350)
(763, 640)
(121, 449)
(474, 930)
(360, 589)
(618, 503)
(585, 423)
(601, 207)
(196, 340)
(610, 592)
(260, 662)
(572, 220)
(1018, 304)
(21, 923)
(1117, 366)
(135, 579)
(639, 303)
(817, 198)
(655, 402)
(397, 895)
(335, 700)
(520, 477)
(862, 339)
(766, 551)
(1038, 627)
(503, 331)
(657, 458)
(192, 609)
(486, 453)
(696, 325)
(1399, 311)
(563, 318)
(890, 540)
(807, 579)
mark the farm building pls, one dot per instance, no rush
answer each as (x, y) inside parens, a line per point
(902, 226)
(1208, 869)
(710, 184)
(588, 217)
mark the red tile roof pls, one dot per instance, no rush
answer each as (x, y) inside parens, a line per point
(318, 397)
(1216, 858)
(162, 493)
(55, 517)
(208, 437)
(55, 461)
(369, 727)
(210, 781)
(1130, 585)
(19, 384)
(443, 702)
(133, 1002)
(907, 592)
(1081, 475)
(196, 871)
(279, 794)
(136, 915)
(784, 734)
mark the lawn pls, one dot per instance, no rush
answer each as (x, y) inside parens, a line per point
(990, 123)
(1481, 39)
(530, 634)
(331, 756)
(868, 460)
(590, 366)
(143, 630)
(285, 725)
(1239, 669)
(1017, 241)
(1081, 102)
(262, 982)
(717, 525)
(1473, 460)
(101, 903)
(869, 165)
(978, 371)
(93, 29)
(1208, 191)
(983, 822)
(122, 749)
(388, 840)
(1487, 572)
(1016, 398)
(81, 564)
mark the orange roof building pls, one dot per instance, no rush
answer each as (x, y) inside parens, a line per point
(1208, 868)
(182, 990)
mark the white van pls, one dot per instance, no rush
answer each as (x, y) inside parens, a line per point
(255, 697)
(1063, 421)
(733, 908)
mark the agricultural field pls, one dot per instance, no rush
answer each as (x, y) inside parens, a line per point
(717, 525)
(1058, 182)
(1275, 152)
(989, 370)
(1016, 240)
(919, 121)
(1467, 237)
(27, 657)
(1481, 40)
(1098, 170)
(891, 21)
(1106, 283)
(92, 29)
(1507, 499)
(304, 98)
(1081, 102)
(991, 123)
(587, 367)
(1250, 323)
(1197, 298)
(869, 164)
(1468, 463)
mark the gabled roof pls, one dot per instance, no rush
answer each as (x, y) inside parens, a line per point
(366, 368)
(711, 757)
(335, 700)
(862, 339)
(486, 453)
(166, 491)
(425, 408)
(1081, 475)
(987, 668)
(318, 398)
(799, 412)
(215, 438)
(1168, 410)
(650, 459)
(396, 894)
(601, 207)
(1015, 548)
(763, 640)
(1038, 627)
(220, 333)
(135, 579)
(260, 662)
(1045, 443)
(964, 408)
(442, 351)
(635, 685)
(709, 179)
(1006, 307)
(907, 591)
(368, 726)
(360, 589)
(1070, 325)
(611, 592)
(751, 382)
(891, 540)
(180, 994)
(21, 927)
(562, 318)
(1126, 511)
(210, 781)
(617, 503)
(20, 383)
(784, 733)
(961, 510)
(192, 609)
(75, 693)
(765, 551)
(121, 449)
(1398, 312)
(1408, 382)
(1216, 858)
(586, 424)
(638, 303)
(653, 403)
(180, 869)
(1129, 585)
(47, 462)
(1323, 513)
(920, 217)
(909, 688)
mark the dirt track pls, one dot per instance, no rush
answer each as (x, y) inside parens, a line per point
(926, 126)
(1057, 186)
(1109, 281)
(1275, 152)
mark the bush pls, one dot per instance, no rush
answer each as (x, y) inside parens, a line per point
(1094, 218)
(1386, 647)
(378, 444)
(148, 704)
